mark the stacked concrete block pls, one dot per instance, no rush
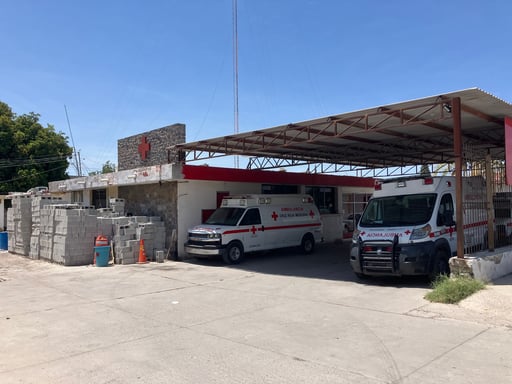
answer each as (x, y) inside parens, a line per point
(127, 252)
(38, 202)
(128, 231)
(117, 205)
(75, 232)
(10, 229)
(67, 233)
(45, 227)
(46, 231)
(21, 224)
(126, 246)
(105, 226)
(146, 232)
(106, 212)
(153, 234)
(139, 219)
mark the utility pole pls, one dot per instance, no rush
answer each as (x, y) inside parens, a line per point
(235, 72)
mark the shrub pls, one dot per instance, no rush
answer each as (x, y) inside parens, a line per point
(452, 290)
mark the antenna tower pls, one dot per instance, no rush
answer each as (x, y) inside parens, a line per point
(235, 70)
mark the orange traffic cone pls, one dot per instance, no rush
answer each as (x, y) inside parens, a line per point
(142, 253)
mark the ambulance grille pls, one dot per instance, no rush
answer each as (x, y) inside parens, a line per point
(377, 256)
(202, 239)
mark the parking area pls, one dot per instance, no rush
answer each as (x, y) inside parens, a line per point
(280, 317)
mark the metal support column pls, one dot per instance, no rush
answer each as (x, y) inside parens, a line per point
(490, 206)
(457, 149)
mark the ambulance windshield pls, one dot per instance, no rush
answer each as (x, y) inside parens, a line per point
(225, 216)
(398, 211)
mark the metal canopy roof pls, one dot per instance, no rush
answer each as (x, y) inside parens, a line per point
(397, 135)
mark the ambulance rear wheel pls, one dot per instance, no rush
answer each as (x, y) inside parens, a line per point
(234, 253)
(308, 244)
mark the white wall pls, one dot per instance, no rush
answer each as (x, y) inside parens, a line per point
(3, 215)
(332, 227)
(194, 196)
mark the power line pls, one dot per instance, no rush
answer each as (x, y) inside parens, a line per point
(11, 163)
(77, 160)
(37, 173)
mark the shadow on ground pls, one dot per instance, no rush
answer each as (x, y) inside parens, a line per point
(328, 262)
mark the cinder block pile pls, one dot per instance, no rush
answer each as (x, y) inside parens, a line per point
(126, 244)
(153, 234)
(117, 205)
(45, 227)
(128, 231)
(67, 234)
(38, 202)
(19, 224)
(74, 233)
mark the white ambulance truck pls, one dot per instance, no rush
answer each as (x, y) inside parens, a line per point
(249, 223)
(408, 226)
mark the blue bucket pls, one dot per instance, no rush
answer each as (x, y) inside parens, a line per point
(102, 255)
(4, 240)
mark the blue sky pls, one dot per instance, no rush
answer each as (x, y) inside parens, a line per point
(126, 67)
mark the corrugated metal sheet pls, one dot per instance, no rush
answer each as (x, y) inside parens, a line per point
(411, 132)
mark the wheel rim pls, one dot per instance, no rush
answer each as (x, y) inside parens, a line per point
(234, 253)
(308, 245)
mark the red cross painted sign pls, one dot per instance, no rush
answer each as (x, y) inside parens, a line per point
(144, 148)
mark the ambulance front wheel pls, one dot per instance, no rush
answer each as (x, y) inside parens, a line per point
(308, 244)
(441, 265)
(234, 253)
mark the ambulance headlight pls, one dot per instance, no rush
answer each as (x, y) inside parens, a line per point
(421, 233)
(214, 235)
(355, 236)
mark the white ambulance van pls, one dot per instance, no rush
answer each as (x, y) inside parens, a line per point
(408, 226)
(249, 223)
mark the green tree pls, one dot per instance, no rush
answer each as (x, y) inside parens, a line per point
(108, 167)
(30, 154)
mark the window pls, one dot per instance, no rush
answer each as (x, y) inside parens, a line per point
(77, 197)
(396, 211)
(252, 216)
(273, 189)
(445, 214)
(324, 197)
(225, 216)
(354, 203)
(99, 198)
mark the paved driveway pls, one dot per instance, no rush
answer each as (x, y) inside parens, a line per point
(280, 317)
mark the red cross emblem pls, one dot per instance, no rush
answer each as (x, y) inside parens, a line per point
(253, 230)
(144, 147)
(312, 214)
(274, 215)
(407, 232)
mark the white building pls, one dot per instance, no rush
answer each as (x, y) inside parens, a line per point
(185, 195)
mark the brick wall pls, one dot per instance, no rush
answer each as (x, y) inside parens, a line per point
(149, 148)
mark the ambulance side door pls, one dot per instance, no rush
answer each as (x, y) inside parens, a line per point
(253, 234)
(446, 219)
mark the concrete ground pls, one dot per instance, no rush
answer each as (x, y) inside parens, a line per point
(280, 317)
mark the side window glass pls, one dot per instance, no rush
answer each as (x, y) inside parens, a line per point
(445, 214)
(251, 217)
